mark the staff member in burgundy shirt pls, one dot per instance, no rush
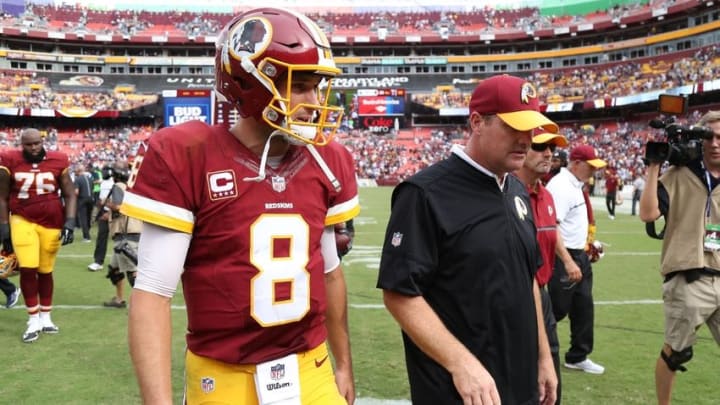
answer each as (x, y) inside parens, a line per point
(537, 165)
(612, 186)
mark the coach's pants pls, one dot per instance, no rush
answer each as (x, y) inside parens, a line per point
(7, 287)
(551, 331)
(103, 229)
(575, 300)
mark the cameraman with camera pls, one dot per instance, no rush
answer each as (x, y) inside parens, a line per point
(125, 233)
(688, 197)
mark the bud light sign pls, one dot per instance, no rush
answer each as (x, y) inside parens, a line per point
(183, 109)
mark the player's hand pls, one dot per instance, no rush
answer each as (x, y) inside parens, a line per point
(475, 384)
(5, 238)
(547, 381)
(67, 235)
(574, 274)
(346, 384)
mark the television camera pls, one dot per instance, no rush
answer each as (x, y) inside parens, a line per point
(684, 143)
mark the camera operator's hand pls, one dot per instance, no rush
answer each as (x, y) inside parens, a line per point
(67, 235)
(5, 238)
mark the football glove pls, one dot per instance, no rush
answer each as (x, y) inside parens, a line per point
(343, 241)
(5, 238)
(68, 232)
(8, 265)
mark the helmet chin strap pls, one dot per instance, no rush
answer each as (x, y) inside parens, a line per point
(263, 159)
(328, 173)
(311, 148)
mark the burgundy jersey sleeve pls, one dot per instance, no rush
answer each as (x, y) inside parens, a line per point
(161, 181)
(344, 203)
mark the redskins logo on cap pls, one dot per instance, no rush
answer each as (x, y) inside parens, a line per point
(527, 92)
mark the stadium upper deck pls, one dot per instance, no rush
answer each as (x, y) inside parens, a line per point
(428, 26)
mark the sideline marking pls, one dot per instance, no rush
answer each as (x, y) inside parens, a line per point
(355, 306)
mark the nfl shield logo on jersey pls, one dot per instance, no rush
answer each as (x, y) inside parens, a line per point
(278, 183)
(277, 371)
(207, 384)
(396, 239)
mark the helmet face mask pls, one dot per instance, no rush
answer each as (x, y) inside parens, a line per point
(306, 120)
(261, 55)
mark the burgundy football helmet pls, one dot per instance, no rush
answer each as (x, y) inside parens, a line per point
(259, 48)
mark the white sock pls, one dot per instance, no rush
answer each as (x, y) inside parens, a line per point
(34, 320)
(45, 317)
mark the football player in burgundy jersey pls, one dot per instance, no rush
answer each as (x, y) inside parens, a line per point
(37, 220)
(245, 217)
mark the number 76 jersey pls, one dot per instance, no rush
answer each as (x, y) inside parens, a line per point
(34, 187)
(254, 273)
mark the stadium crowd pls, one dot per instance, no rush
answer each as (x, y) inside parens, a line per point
(586, 84)
(70, 18)
(384, 158)
(92, 148)
(20, 89)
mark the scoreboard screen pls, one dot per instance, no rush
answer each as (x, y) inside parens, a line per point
(381, 102)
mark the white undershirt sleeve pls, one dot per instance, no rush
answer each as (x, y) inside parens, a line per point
(329, 249)
(161, 259)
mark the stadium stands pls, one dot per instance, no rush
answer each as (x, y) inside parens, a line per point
(386, 158)
(511, 23)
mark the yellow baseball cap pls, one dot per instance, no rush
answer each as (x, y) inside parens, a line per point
(547, 137)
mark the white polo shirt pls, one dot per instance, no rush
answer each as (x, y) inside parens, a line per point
(570, 208)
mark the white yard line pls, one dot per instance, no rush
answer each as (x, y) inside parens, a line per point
(375, 401)
(354, 306)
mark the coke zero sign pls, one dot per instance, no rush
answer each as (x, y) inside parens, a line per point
(381, 125)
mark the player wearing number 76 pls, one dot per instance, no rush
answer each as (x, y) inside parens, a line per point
(34, 222)
(245, 218)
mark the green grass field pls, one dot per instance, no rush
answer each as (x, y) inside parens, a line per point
(88, 362)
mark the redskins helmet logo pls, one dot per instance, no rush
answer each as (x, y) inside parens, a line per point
(249, 37)
(527, 92)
